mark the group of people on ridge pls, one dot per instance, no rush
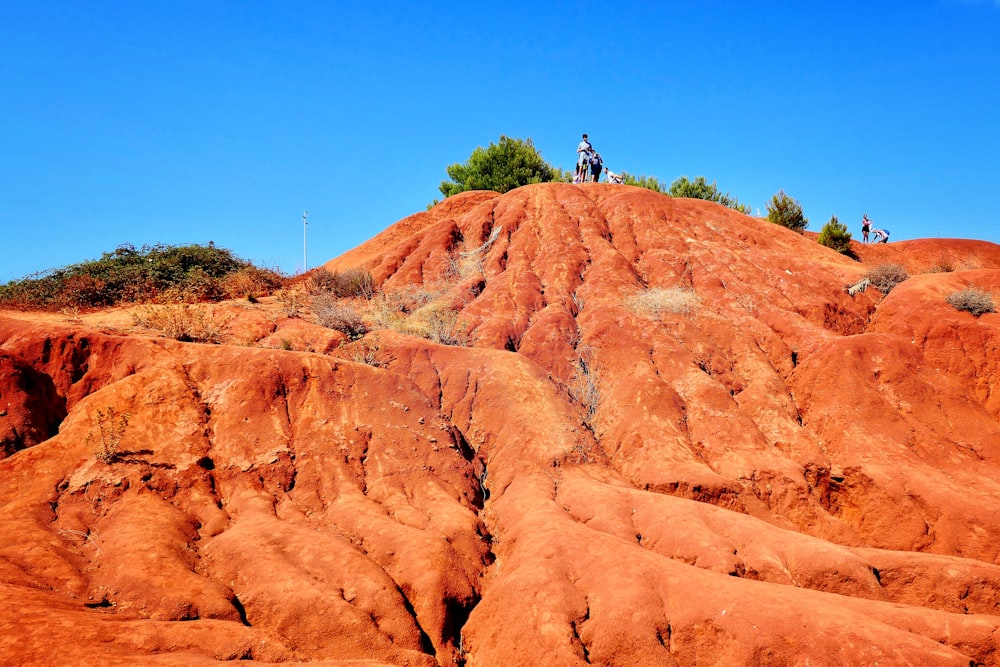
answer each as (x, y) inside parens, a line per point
(881, 235)
(588, 170)
(589, 165)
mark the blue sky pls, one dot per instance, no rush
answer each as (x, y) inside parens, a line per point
(185, 122)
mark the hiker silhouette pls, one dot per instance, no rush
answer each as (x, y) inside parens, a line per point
(595, 167)
(583, 152)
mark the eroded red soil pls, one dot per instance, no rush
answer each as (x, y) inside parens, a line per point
(781, 473)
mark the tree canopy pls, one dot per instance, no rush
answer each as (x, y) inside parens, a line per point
(501, 167)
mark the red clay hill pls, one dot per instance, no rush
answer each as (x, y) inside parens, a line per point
(654, 432)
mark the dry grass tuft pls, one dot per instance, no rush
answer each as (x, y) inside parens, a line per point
(366, 351)
(463, 265)
(184, 322)
(111, 425)
(434, 321)
(659, 300)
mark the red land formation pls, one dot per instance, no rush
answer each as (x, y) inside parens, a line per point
(779, 474)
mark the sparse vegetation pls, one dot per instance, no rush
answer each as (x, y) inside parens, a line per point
(151, 274)
(972, 299)
(658, 300)
(111, 426)
(412, 311)
(184, 322)
(290, 299)
(464, 264)
(391, 308)
(787, 212)
(339, 316)
(747, 301)
(366, 351)
(944, 264)
(884, 277)
(583, 389)
(350, 283)
(251, 283)
(834, 234)
(437, 322)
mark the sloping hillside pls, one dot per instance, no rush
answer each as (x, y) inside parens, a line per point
(665, 435)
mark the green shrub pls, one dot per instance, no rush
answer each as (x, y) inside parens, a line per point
(972, 300)
(501, 167)
(787, 212)
(648, 182)
(834, 235)
(700, 188)
(157, 273)
(884, 277)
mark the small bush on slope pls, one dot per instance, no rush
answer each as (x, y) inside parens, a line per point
(835, 235)
(341, 317)
(972, 300)
(884, 277)
(111, 425)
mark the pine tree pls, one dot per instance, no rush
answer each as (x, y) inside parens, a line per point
(787, 212)
(835, 235)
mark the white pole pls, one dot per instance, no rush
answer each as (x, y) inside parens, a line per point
(305, 262)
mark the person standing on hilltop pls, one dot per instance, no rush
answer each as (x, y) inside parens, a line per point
(866, 226)
(595, 167)
(583, 153)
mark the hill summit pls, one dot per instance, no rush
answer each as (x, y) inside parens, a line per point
(605, 427)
